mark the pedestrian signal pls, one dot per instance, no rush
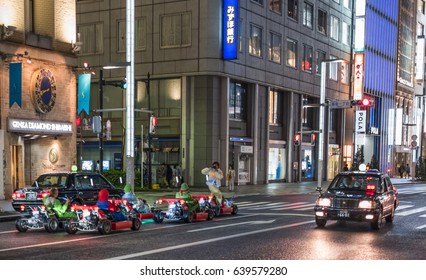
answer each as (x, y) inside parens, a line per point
(152, 124)
(296, 139)
(313, 139)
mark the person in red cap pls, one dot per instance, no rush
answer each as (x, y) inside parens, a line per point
(108, 206)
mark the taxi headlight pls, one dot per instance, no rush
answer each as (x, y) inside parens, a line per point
(366, 204)
(324, 202)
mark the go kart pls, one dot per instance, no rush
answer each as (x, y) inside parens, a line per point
(228, 206)
(91, 218)
(38, 217)
(176, 209)
(142, 210)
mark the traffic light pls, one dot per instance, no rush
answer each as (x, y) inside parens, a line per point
(152, 124)
(296, 139)
(123, 83)
(313, 139)
(365, 102)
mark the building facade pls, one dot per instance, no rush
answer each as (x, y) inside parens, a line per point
(242, 110)
(37, 90)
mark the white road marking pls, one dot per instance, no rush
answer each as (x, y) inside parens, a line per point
(186, 245)
(292, 206)
(412, 211)
(236, 224)
(420, 227)
(400, 207)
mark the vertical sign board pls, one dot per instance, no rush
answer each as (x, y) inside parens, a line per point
(360, 121)
(420, 54)
(230, 29)
(358, 83)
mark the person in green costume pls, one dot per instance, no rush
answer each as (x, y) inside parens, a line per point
(61, 210)
(185, 194)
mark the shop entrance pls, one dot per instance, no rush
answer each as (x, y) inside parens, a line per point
(17, 167)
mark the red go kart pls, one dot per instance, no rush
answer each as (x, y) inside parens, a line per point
(175, 209)
(91, 218)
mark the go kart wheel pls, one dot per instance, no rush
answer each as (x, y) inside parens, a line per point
(320, 222)
(234, 210)
(21, 225)
(216, 211)
(158, 217)
(210, 214)
(71, 226)
(136, 224)
(104, 227)
(51, 225)
(189, 217)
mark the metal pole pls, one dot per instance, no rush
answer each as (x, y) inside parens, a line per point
(149, 135)
(101, 135)
(321, 124)
(142, 159)
(130, 75)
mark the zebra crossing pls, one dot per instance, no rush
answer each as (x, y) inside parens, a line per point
(403, 209)
(276, 206)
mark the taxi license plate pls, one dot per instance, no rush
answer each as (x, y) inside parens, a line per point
(343, 214)
(31, 196)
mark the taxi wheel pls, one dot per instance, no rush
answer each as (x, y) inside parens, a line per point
(104, 227)
(320, 222)
(21, 225)
(377, 224)
(136, 224)
(389, 219)
(71, 226)
(51, 225)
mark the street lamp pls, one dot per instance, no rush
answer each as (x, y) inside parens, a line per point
(321, 117)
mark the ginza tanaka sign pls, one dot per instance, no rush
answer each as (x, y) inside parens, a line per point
(28, 126)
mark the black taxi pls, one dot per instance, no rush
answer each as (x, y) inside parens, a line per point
(363, 196)
(80, 187)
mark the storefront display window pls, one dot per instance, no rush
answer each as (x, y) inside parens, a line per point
(276, 166)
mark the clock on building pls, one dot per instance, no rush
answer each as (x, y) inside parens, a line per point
(43, 90)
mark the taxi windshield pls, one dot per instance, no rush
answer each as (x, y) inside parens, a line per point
(355, 182)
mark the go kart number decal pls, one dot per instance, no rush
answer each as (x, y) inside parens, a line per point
(260, 270)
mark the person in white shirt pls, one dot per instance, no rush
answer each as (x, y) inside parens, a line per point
(213, 180)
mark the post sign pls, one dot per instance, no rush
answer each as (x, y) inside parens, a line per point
(360, 120)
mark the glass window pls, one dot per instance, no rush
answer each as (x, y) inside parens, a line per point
(140, 35)
(308, 17)
(334, 29)
(275, 5)
(344, 71)
(420, 29)
(176, 30)
(275, 107)
(275, 47)
(322, 21)
(291, 53)
(237, 101)
(346, 33)
(307, 58)
(255, 45)
(333, 69)
(320, 57)
(258, 1)
(292, 9)
(421, 6)
(346, 4)
(92, 37)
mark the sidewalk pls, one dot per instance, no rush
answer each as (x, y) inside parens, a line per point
(7, 213)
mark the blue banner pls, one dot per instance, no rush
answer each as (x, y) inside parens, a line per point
(15, 84)
(84, 93)
(230, 29)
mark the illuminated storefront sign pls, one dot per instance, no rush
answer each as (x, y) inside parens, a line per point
(230, 30)
(32, 126)
(358, 76)
(360, 120)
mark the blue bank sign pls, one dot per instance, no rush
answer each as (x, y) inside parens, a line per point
(230, 30)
